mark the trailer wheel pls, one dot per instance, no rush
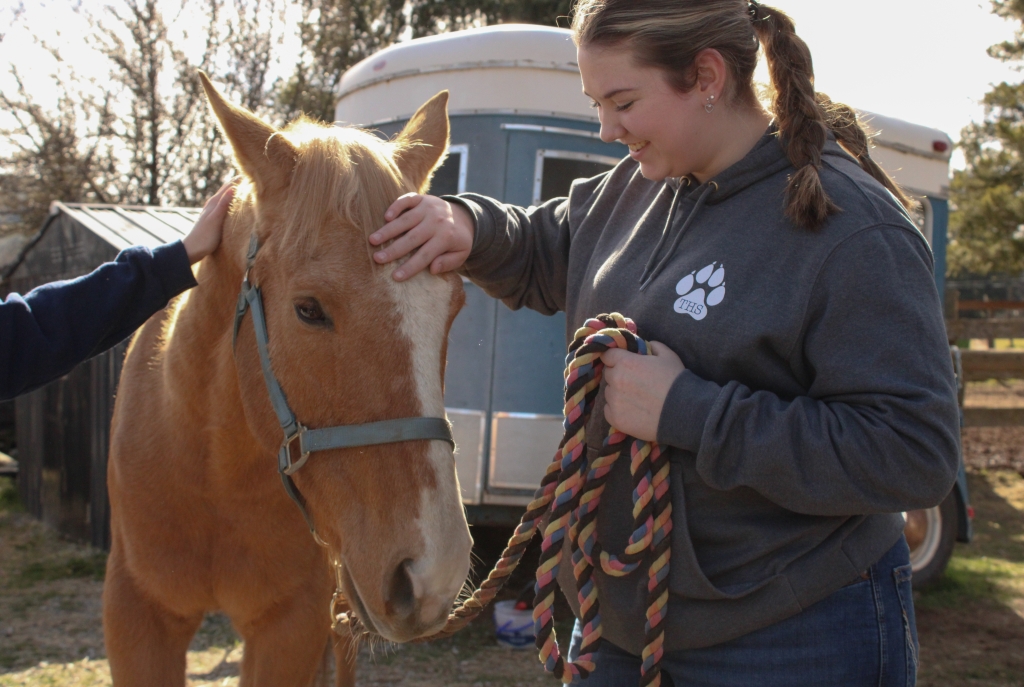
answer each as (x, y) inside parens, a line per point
(931, 534)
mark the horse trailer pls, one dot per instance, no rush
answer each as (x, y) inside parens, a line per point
(521, 132)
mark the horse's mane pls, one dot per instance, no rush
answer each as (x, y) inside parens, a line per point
(340, 173)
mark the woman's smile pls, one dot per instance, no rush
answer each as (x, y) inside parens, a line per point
(636, 149)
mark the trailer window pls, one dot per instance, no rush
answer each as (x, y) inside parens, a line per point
(557, 169)
(450, 177)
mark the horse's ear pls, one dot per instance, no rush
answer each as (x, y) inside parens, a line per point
(424, 141)
(266, 158)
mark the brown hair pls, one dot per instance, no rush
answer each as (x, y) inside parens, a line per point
(668, 34)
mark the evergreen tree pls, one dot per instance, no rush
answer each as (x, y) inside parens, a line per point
(987, 222)
(435, 16)
(335, 34)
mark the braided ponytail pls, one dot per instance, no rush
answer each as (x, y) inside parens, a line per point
(801, 122)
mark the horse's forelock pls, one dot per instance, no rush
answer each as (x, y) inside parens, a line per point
(341, 174)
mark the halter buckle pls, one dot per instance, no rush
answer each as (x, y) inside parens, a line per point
(285, 463)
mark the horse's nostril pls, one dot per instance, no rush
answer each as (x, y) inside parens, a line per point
(401, 600)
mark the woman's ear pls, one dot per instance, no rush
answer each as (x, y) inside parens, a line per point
(711, 72)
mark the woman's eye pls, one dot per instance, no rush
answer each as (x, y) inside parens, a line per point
(309, 310)
(621, 108)
(594, 104)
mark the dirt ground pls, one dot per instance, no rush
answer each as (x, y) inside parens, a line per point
(995, 447)
(971, 626)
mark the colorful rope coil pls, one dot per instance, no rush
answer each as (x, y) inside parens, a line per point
(569, 496)
(577, 497)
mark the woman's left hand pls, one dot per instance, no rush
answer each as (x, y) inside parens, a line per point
(636, 388)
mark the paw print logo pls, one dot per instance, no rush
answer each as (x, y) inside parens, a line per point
(694, 300)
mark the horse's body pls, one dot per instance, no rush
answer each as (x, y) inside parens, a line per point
(199, 518)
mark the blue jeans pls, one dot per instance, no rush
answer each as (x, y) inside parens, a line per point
(863, 635)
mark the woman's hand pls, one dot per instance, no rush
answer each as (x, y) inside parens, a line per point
(636, 388)
(205, 235)
(440, 233)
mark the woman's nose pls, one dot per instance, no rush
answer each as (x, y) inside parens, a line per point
(610, 133)
(611, 130)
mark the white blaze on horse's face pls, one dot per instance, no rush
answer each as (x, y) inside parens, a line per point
(350, 345)
(420, 299)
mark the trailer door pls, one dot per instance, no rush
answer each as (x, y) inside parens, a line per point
(529, 348)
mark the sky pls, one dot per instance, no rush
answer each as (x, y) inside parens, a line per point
(918, 60)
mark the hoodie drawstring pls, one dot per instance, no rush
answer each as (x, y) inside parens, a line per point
(649, 275)
(683, 183)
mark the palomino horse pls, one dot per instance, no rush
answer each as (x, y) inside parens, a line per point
(199, 518)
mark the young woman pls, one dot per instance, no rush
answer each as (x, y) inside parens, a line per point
(802, 382)
(56, 326)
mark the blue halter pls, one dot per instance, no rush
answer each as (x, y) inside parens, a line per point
(311, 440)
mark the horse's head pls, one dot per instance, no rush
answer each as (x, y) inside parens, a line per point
(350, 345)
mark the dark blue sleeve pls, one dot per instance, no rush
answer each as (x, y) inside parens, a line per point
(48, 331)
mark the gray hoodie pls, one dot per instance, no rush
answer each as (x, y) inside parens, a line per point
(818, 400)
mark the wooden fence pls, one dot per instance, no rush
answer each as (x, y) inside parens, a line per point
(981, 365)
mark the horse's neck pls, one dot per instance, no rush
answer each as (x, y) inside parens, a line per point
(198, 357)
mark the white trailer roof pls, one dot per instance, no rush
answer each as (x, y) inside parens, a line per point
(524, 69)
(916, 156)
(509, 68)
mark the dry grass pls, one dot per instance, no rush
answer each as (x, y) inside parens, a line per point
(51, 630)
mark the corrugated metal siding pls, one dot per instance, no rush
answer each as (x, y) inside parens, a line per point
(132, 225)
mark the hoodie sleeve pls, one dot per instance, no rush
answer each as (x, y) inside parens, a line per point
(45, 333)
(520, 255)
(877, 431)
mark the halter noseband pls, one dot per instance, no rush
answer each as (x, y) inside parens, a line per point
(311, 440)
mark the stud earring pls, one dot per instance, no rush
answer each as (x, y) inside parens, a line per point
(710, 104)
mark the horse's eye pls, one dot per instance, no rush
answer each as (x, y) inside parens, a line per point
(309, 311)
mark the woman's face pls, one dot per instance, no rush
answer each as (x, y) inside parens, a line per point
(667, 131)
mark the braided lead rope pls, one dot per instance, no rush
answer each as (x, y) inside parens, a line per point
(576, 511)
(572, 495)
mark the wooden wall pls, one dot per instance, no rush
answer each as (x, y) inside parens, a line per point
(63, 428)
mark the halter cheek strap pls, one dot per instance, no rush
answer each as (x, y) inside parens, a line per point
(312, 440)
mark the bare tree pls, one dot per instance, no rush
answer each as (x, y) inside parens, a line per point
(54, 154)
(168, 132)
(143, 135)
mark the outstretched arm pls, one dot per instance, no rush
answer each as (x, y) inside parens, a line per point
(48, 331)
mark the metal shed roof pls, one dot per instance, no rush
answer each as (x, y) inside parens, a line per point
(131, 225)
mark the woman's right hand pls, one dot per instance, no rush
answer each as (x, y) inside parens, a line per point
(440, 233)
